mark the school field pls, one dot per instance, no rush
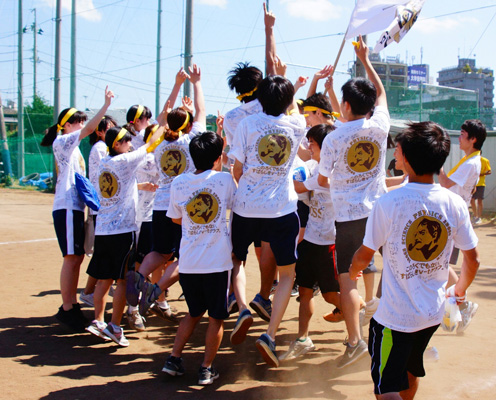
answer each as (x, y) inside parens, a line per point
(41, 360)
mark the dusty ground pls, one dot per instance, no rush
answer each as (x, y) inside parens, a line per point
(39, 359)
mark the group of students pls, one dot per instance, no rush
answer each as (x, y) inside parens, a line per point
(322, 224)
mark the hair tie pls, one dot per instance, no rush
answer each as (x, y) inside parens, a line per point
(66, 117)
(139, 111)
(119, 136)
(247, 94)
(186, 122)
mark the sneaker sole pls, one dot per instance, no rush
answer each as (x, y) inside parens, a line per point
(352, 360)
(208, 381)
(165, 317)
(233, 309)
(96, 332)
(86, 302)
(299, 354)
(114, 338)
(260, 311)
(172, 372)
(333, 322)
(238, 335)
(269, 357)
(74, 326)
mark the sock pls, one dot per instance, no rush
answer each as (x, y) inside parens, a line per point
(301, 339)
(130, 309)
(163, 304)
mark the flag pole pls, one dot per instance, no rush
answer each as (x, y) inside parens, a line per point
(339, 55)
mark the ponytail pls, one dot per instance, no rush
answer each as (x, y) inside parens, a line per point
(70, 115)
(179, 121)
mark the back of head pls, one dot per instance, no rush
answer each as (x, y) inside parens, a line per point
(243, 79)
(104, 125)
(425, 145)
(205, 149)
(319, 132)
(138, 111)
(319, 100)
(475, 129)
(275, 94)
(360, 94)
(111, 135)
(178, 120)
(51, 133)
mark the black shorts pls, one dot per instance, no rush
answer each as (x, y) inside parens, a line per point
(69, 228)
(479, 193)
(316, 265)
(206, 292)
(145, 243)
(113, 257)
(166, 234)
(349, 238)
(303, 213)
(282, 234)
(394, 354)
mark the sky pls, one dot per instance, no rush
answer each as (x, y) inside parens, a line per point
(117, 39)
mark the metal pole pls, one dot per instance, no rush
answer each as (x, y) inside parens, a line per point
(56, 77)
(73, 55)
(20, 99)
(159, 46)
(188, 44)
(35, 56)
(5, 145)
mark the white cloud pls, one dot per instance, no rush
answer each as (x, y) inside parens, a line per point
(431, 25)
(314, 10)
(84, 8)
(215, 3)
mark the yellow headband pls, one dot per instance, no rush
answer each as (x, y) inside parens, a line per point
(119, 136)
(312, 108)
(242, 96)
(184, 125)
(154, 129)
(67, 115)
(299, 102)
(139, 111)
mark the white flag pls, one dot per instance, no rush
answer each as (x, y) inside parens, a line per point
(375, 15)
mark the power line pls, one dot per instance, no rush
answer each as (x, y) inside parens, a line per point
(482, 34)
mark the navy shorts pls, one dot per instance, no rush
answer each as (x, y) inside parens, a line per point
(479, 193)
(349, 238)
(145, 243)
(303, 213)
(113, 256)
(166, 234)
(282, 234)
(206, 292)
(394, 354)
(69, 228)
(316, 265)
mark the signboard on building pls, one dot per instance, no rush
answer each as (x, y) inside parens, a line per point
(417, 74)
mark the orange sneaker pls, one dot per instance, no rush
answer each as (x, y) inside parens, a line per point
(335, 316)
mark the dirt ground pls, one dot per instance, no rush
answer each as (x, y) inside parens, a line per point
(41, 360)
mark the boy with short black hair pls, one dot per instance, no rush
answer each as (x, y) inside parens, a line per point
(416, 225)
(199, 202)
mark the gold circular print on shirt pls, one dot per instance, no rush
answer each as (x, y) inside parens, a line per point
(274, 149)
(426, 239)
(173, 162)
(108, 184)
(363, 156)
(203, 208)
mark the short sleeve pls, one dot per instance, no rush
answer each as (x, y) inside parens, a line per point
(238, 150)
(461, 175)
(326, 164)
(378, 227)
(174, 210)
(464, 237)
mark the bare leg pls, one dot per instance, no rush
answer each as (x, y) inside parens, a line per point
(350, 305)
(69, 276)
(479, 208)
(413, 383)
(119, 302)
(281, 297)
(213, 338)
(156, 276)
(267, 270)
(306, 311)
(90, 285)
(239, 283)
(100, 297)
(368, 281)
(333, 298)
(152, 261)
(170, 276)
(184, 331)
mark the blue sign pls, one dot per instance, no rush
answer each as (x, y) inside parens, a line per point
(417, 74)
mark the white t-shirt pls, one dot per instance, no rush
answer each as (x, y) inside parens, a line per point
(68, 161)
(97, 153)
(298, 162)
(147, 172)
(118, 192)
(266, 146)
(236, 115)
(202, 202)
(138, 140)
(354, 157)
(466, 178)
(320, 226)
(417, 226)
(171, 160)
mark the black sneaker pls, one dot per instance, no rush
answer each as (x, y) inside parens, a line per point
(71, 319)
(79, 313)
(174, 366)
(206, 376)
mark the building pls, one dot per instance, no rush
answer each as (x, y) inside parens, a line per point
(467, 76)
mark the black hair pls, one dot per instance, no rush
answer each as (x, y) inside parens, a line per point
(51, 133)
(475, 129)
(319, 132)
(425, 145)
(110, 137)
(176, 119)
(131, 113)
(205, 149)
(243, 79)
(275, 94)
(321, 101)
(148, 131)
(102, 126)
(360, 94)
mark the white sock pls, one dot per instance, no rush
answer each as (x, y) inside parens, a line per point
(163, 304)
(130, 309)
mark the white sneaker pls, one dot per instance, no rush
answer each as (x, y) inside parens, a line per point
(477, 221)
(298, 348)
(369, 311)
(116, 334)
(136, 321)
(431, 354)
(468, 312)
(97, 328)
(86, 299)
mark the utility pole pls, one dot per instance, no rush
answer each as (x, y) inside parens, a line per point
(56, 75)
(5, 145)
(35, 55)
(20, 99)
(159, 46)
(73, 55)
(188, 44)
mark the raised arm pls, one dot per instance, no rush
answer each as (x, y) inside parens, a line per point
(362, 52)
(199, 100)
(181, 77)
(323, 73)
(270, 41)
(336, 106)
(93, 123)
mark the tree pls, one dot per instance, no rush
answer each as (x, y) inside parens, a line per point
(37, 117)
